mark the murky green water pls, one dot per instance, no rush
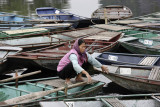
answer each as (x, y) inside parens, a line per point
(80, 7)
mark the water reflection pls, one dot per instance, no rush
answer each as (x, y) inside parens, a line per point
(27, 7)
(80, 7)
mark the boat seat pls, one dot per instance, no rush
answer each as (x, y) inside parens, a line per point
(61, 83)
(55, 15)
(148, 60)
(155, 73)
(156, 46)
(7, 15)
(114, 102)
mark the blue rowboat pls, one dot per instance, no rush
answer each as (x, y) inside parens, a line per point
(109, 58)
(59, 16)
(12, 18)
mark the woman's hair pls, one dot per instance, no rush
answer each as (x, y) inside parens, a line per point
(80, 41)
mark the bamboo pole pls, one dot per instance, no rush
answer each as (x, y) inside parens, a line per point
(37, 95)
(18, 77)
(105, 15)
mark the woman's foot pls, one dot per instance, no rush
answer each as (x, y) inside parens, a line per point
(79, 78)
(68, 82)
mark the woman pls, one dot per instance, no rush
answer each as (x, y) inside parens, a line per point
(72, 64)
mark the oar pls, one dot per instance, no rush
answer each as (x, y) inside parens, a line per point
(21, 76)
(37, 95)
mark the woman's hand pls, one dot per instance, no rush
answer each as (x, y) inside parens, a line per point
(104, 69)
(88, 76)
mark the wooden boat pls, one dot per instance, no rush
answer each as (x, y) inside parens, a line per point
(111, 27)
(14, 26)
(13, 18)
(140, 34)
(6, 50)
(51, 27)
(45, 88)
(128, 31)
(112, 12)
(29, 40)
(20, 33)
(106, 100)
(61, 26)
(109, 58)
(62, 16)
(138, 79)
(147, 25)
(49, 57)
(141, 46)
(127, 21)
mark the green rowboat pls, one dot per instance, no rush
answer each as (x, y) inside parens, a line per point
(141, 46)
(46, 88)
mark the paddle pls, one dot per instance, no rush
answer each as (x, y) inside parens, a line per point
(21, 76)
(37, 95)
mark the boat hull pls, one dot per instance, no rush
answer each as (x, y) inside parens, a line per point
(133, 84)
(139, 50)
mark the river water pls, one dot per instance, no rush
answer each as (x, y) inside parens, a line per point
(79, 7)
(82, 8)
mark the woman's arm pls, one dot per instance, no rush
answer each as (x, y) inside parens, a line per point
(78, 68)
(96, 63)
(73, 58)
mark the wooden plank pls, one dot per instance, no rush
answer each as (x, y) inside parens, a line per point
(156, 46)
(55, 15)
(53, 25)
(8, 15)
(155, 73)
(104, 36)
(79, 33)
(55, 51)
(60, 83)
(127, 21)
(43, 20)
(158, 75)
(151, 73)
(144, 24)
(111, 27)
(148, 60)
(44, 54)
(24, 31)
(21, 76)
(114, 102)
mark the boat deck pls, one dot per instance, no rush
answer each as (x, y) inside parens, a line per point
(155, 73)
(114, 102)
(144, 24)
(60, 83)
(82, 32)
(112, 27)
(126, 21)
(104, 36)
